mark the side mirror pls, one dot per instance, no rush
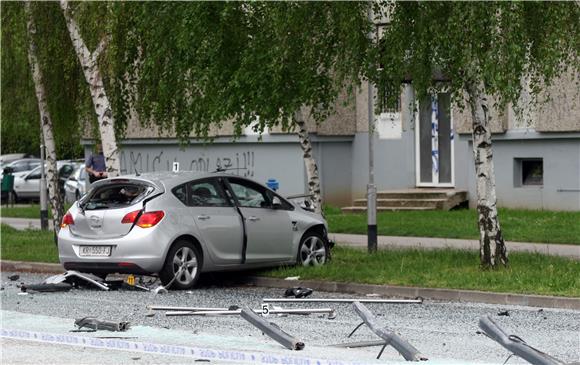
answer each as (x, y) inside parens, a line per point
(276, 203)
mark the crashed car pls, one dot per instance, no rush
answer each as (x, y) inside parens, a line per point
(178, 225)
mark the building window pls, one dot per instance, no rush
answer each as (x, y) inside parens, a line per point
(529, 172)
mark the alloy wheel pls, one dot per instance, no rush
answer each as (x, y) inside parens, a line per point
(184, 266)
(313, 251)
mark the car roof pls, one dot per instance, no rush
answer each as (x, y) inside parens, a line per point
(171, 179)
(24, 160)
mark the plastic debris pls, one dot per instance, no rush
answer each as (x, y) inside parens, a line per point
(298, 292)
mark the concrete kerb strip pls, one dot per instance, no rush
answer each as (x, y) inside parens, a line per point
(454, 295)
(426, 293)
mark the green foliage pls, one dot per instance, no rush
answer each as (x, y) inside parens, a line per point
(19, 119)
(497, 43)
(67, 93)
(199, 64)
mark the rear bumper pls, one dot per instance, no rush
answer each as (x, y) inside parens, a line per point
(106, 267)
(141, 251)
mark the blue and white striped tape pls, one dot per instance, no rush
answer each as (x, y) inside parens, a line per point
(165, 349)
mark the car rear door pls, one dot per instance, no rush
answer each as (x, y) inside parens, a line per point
(269, 231)
(216, 217)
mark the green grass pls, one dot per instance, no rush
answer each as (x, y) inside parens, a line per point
(29, 245)
(26, 211)
(453, 269)
(517, 225)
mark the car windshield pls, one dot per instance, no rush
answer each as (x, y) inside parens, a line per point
(115, 196)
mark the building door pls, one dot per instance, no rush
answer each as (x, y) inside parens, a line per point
(434, 142)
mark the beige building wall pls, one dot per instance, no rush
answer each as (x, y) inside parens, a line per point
(559, 106)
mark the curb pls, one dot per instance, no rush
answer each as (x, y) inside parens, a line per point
(36, 267)
(452, 295)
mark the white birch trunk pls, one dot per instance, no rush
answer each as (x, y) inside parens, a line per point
(309, 162)
(94, 78)
(55, 197)
(492, 246)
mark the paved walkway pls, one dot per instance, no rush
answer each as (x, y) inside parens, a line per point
(360, 241)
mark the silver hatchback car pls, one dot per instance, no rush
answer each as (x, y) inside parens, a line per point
(178, 225)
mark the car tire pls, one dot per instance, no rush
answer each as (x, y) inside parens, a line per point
(182, 254)
(313, 250)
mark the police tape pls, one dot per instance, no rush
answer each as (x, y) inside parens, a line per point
(168, 350)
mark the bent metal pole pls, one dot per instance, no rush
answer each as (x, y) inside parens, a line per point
(342, 300)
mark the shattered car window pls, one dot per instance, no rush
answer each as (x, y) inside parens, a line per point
(116, 196)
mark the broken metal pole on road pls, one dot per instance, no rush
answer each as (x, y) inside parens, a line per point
(211, 312)
(342, 300)
(187, 309)
(404, 348)
(272, 330)
(516, 345)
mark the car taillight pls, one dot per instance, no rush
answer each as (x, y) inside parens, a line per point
(149, 219)
(130, 217)
(67, 220)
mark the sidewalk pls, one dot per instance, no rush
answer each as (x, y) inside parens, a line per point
(360, 241)
(23, 223)
(384, 242)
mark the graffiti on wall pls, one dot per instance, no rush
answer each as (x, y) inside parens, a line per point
(239, 163)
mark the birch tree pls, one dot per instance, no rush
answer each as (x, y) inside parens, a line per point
(284, 62)
(94, 78)
(61, 76)
(55, 197)
(484, 50)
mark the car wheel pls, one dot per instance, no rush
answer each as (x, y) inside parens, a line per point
(182, 266)
(313, 250)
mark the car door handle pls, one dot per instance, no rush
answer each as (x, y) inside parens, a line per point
(203, 217)
(253, 219)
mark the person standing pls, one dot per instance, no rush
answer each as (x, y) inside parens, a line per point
(95, 165)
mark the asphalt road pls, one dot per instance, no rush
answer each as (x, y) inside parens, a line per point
(444, 332)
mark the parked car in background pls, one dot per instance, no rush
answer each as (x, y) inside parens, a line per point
(20, 166)
(178, 225)
(75, 185)
(27, 186)
(6, 159)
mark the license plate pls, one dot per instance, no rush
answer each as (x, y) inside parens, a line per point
(95, 250)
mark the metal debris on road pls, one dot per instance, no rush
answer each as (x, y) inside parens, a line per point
(329, 311)
(298, 292)
(404, 348)
(187, 309)
(272, 330)
(352, 345)
(342, 300)
(95, 324)
(76, 278)
(516, 345)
